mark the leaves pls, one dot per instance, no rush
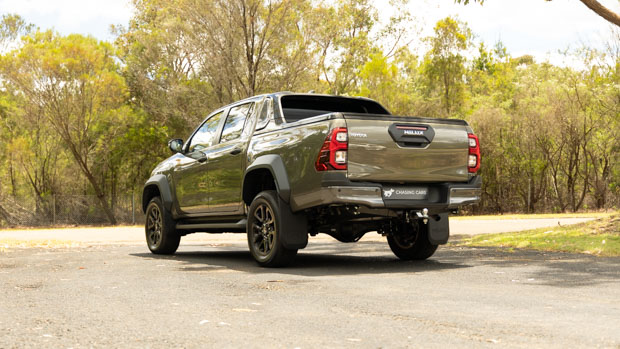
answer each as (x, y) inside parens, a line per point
(80, 116)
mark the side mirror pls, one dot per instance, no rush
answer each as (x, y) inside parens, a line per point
(176, 145)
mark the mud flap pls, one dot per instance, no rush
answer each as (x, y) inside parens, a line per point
(438, 229)
(294, 227)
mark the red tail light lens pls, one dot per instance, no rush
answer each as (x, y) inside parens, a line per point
(333, 153)
(473, 160)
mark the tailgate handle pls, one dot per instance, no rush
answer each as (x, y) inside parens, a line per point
(412, 135)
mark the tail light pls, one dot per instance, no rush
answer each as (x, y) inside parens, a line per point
(333, 153)
(473, 161)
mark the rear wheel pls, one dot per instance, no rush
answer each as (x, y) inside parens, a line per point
(160, 229)
(409, 241)
(265, 232)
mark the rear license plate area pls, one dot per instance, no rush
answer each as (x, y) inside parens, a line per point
(405, 193)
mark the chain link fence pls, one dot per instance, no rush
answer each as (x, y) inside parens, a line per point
(63, 210)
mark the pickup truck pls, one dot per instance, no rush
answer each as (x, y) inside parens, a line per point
(281, 167)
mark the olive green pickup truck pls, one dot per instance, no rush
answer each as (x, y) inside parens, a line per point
(283, 166)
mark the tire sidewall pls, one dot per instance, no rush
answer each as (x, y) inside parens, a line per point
(265, 197)
(169, 241)
(421, 248)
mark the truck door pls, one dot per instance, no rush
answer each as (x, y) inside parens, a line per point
(190, 175)
(226, 162)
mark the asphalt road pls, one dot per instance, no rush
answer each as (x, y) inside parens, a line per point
(211, 294)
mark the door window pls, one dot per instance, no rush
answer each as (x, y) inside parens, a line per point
(205, 136)
(235, 121)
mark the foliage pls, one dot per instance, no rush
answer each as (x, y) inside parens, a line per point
(11, 28)
(80, 116)
(70, 90)
(444, 64)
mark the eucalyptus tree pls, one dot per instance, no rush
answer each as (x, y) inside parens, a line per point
(445, 63)
(73, 82)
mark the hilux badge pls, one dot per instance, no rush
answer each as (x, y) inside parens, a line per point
(413, 133)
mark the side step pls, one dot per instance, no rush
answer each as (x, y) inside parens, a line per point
(240, 225)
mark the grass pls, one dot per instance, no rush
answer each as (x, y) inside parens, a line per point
(539, 215)
(600, 237)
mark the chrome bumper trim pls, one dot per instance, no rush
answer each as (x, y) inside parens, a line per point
(464, 196)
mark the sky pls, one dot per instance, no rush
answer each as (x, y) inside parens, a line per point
(535, 27)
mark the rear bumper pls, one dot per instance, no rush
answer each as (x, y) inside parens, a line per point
(444, 196)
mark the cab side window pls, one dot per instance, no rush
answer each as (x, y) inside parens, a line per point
(205, 136)
(235, 122)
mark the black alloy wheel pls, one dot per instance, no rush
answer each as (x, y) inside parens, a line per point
(160, 229)
(264, 232)
(154, 223)
(410, 241)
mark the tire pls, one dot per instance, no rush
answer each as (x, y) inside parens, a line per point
(410, 242)
(160, 229)
(264, 230)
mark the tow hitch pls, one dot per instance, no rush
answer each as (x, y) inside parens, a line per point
(423, 215)
(419, 214)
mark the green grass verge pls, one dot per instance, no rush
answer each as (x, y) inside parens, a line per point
(538, 215)
(600, 237)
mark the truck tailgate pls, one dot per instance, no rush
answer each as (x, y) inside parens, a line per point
(406, 149)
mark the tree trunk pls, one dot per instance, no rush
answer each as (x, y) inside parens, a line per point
(93, 182)
(7, 217)
(602, 11)
(101, 197)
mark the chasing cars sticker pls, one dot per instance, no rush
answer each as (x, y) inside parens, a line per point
(408, 193)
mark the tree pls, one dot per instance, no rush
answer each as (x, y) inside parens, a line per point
(74, 81)
(160, 68)
(348, 43)
(593, 5)
(34, 149)
(444, 63)
(11, 28)
(184, 58)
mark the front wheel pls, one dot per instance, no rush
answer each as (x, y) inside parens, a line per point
(265, 232)
(410, 241)
(160, 229)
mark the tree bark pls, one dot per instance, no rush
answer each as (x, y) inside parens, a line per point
(602, 11)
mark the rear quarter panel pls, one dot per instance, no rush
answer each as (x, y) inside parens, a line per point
(298, 145)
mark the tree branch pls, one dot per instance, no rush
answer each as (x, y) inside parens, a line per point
(602, 11)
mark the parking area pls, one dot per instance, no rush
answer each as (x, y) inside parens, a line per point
(211, 294)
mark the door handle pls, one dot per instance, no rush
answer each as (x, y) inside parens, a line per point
(235, 151)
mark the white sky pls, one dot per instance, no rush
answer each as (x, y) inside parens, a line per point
(534, 27)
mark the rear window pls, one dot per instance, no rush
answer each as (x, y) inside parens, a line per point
(297, 107)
